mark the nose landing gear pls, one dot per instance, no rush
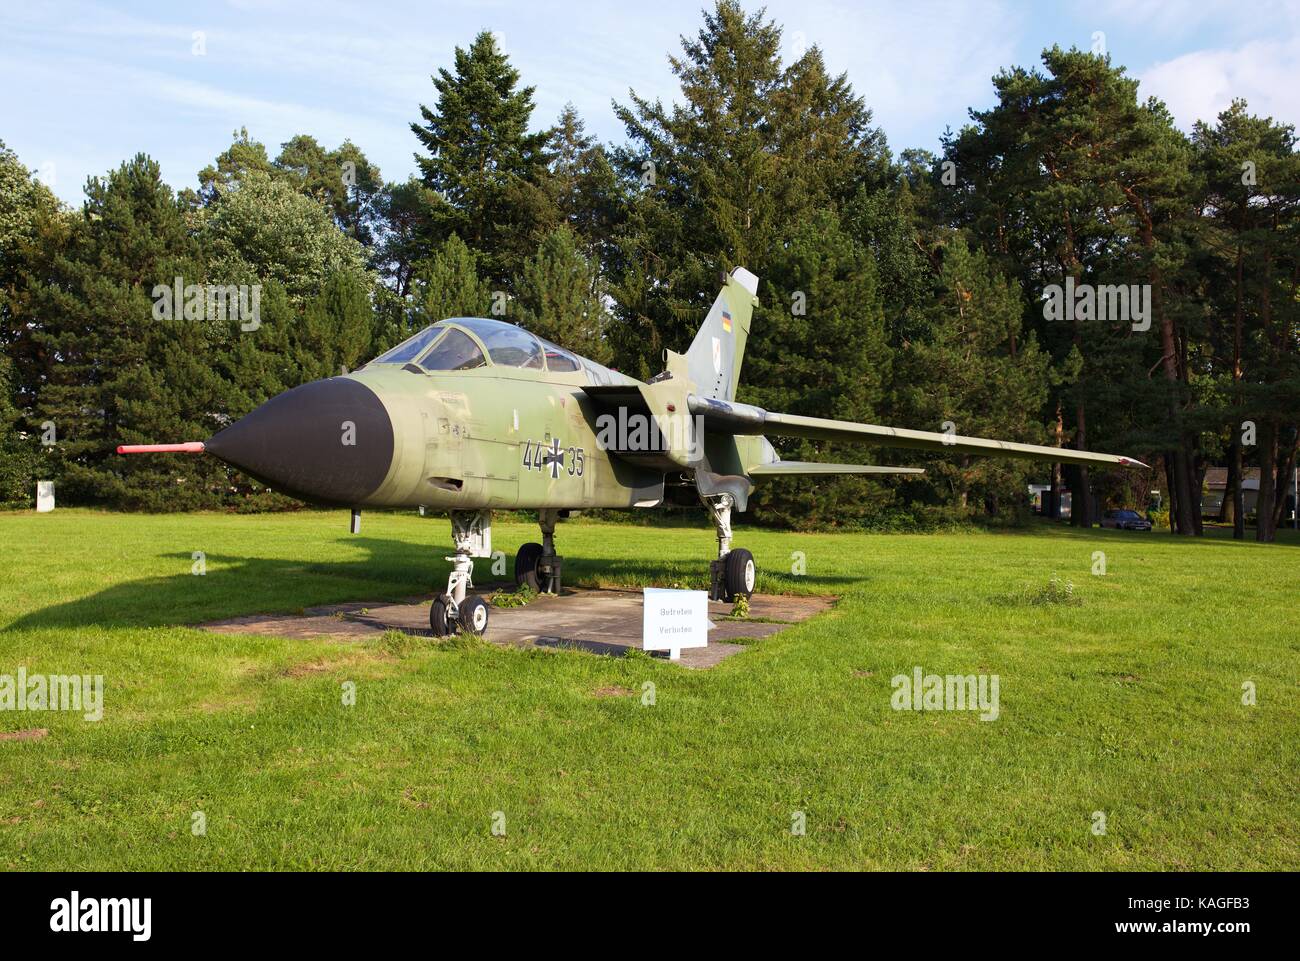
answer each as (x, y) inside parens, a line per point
(471, 532)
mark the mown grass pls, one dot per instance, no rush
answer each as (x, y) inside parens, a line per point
(1126, 700)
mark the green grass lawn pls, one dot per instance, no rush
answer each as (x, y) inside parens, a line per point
(1126, 701)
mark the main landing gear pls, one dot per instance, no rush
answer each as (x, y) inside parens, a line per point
(537, 565)
(733, 574)
(471, 531)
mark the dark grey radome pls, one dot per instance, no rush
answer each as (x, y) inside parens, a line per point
(328, 442)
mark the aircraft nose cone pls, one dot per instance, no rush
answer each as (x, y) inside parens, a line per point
(329, 442)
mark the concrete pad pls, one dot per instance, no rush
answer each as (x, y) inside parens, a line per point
(602, 621)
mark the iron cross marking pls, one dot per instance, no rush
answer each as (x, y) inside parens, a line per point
(555, 457)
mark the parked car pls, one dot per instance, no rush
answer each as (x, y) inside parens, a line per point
(1125, 520)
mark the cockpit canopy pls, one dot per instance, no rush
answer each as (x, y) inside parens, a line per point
(464, 343)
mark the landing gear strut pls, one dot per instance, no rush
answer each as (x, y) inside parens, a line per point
(732, 575)
(471, 532)
(537, 565)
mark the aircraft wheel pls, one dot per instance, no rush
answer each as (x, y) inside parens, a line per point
(474, 615)
(526, 566)
(440, 621)
(741, 574)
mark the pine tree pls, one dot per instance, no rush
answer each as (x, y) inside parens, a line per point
(700, 174)
(583, 187)
(262, 363)
(825, 354)
(976, 373)
(120, 370)
(483, 160)
(1070, 179)
(756, 165)
(891, 223)
(449, 285)
(335, 332)
(21, 463)
(406, 213)
(1249, 176)
(560, 297)
(709, 180)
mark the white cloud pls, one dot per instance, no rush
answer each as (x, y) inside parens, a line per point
(918, 65)
(99, 83)
(1175, 18)
(1199, 85)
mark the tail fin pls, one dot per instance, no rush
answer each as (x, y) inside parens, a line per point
(714, 359)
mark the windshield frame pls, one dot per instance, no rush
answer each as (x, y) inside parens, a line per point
(447, 331)
(481, 328)
(434, 333)
(587, 369)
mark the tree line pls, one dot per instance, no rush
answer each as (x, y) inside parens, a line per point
(1068, 269)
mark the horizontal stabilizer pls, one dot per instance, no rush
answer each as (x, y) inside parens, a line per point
(793, 425)
(796, 467)
(730, 417)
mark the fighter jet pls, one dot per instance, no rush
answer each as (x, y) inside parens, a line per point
(472, 414)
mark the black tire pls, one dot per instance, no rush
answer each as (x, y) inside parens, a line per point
(439, 622)
(740, 574)
(526, 566)
(474, 615)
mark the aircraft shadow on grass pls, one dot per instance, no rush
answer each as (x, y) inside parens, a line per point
(391, 570)
(233, 585)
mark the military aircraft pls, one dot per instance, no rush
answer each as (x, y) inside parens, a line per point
(473, 414)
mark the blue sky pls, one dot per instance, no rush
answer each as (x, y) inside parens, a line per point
(89, 84)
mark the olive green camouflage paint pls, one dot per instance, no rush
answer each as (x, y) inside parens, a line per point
(460, 437)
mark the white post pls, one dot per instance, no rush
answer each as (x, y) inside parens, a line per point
(44, 497)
